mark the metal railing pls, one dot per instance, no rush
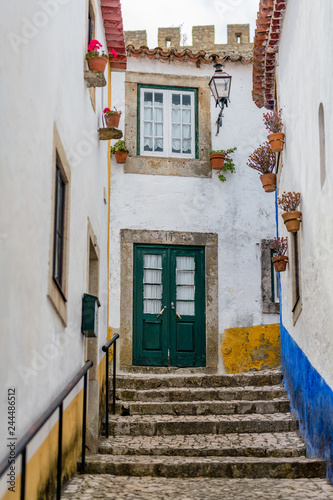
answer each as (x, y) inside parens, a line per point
(21, 447)
(105, 348)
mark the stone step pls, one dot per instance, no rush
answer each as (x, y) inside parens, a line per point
(165, 425)
(278, 405)
(105, 486)
(228, 467)
(248, 393)
(285, 444)
(264, 377)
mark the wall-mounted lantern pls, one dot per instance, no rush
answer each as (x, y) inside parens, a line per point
(220, 85)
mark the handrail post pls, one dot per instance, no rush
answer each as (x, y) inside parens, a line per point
(84, 423)
(107, 395)
(59, 452)
(114, 378)
(24, 460)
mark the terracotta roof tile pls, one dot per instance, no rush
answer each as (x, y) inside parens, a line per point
(114, 32)
(266, 40)
(172, 54)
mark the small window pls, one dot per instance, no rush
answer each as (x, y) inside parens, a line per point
(238, 38)
(167, 122)
(269, 280)
(59, 227)
(168, 43)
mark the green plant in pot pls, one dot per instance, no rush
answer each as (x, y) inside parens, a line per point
(111, 117)
(273, 123)
(120, 151)
(289, 203)
(221, 161)
(280, 259)
(263, 160)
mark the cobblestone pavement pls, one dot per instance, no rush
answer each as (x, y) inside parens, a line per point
(104, 486)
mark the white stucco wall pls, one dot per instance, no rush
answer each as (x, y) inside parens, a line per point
(42, 84)
(238, 210)
(305, 74)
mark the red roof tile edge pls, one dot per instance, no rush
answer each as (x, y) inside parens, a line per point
(184, 55)
(114, 32)
(266, 42)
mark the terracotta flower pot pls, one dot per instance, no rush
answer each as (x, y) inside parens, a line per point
(276, 141)
(97, 63)
(280, 263)
(292, 221)
(112, 119)
(120, 156)
(217, 160)
(268, 182)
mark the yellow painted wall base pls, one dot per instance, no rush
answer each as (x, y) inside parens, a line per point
(41, 473)
(251, 348)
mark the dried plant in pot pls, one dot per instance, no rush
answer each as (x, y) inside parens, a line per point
(221, 161)
(111, 117)
(292, 218)
(273, 123)
(120, 151)
(263, 160)
(280, 259)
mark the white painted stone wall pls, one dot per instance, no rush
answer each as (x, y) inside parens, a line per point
(305, 80)
(42, 84)
(238, 210)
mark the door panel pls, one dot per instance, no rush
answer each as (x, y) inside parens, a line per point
(169, 306)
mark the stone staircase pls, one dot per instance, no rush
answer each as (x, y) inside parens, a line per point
(218, 426)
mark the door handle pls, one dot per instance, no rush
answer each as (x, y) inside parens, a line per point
(174, 310)
(161, 312)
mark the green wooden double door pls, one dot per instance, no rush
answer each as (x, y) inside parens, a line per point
(169, 306)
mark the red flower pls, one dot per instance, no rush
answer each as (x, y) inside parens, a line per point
(94, 45)
(106, 110)
(114, 53)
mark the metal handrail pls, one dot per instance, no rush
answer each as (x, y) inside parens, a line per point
(21, 447)
(105, 348)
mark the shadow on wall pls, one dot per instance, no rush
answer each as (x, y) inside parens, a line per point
(311, 401)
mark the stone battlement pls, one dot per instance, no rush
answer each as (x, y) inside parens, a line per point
(203, 38)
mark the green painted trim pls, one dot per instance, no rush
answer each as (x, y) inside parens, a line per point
(166, 87)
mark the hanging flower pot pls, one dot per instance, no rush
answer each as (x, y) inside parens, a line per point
(289, 203)
(273, 123)
(217, 160)
(97, 63)
(121, 156)
(111, 118)
(276, 141)
(120, 151)
(268, 182)
(263, 160)
(280, 246)
(280, 263)
(292, 221)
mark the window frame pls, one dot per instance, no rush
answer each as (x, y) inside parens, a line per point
(296, 277)
(269, 295)
(58, 290)
(167, 90)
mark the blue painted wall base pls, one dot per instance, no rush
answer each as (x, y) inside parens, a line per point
(311, 401)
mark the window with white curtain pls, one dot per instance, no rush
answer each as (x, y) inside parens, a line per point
(152, 284)
(167, 122)
(185, 289)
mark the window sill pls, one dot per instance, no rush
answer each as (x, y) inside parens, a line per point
(58, 301)
(155, 165)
